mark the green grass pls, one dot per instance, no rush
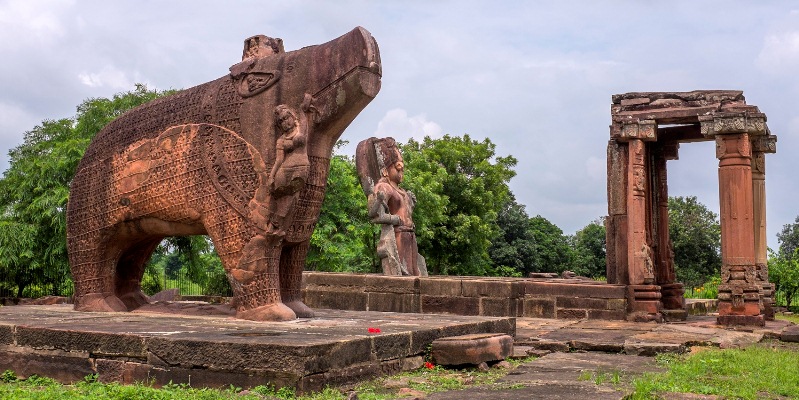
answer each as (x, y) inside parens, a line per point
(765, 370)
(792, 317)
(422, 380)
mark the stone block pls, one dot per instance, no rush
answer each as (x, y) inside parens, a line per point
(391, 284)
(183, 353)
(334, 279)
(607, 314)
(591, 290)
(790, 334)
(617, 304)
(64, 367)
(472, 349)
(393, 302)
(492, 288)
(498, 307)
(538, 307)
(742, 320)
(581, 302)
(450, 305)
(6, 335)
(350, 375)
(123, 345)
(391, 346)
(435, 286)
(337, 299)
(571, 313)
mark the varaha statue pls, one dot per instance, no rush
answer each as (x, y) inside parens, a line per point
(243, 159)
(381, 170)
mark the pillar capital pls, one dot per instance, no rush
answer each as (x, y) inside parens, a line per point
(733, 149)
(764, 144)
(645, 130)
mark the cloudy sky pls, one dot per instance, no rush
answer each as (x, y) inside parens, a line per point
(535, 77)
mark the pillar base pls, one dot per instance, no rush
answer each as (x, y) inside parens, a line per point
(768, 301)
(673, 296)
(643, 303)
(741, 320)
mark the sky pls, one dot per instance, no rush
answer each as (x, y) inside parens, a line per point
(534, 77)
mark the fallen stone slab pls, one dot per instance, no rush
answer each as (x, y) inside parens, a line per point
(790, 334)
(611, 341)
(472, 349)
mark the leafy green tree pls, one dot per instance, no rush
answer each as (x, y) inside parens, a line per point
(696, 239)
(789, 239)
(344, 239)
(552, 249)
(589, 250)
(473, 189)
(784, 274)
(515, 246)
(34, 191)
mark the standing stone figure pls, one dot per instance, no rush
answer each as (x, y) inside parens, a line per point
(243, 159)
(381, 170)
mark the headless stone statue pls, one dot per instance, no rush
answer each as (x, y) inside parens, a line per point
(381, 170)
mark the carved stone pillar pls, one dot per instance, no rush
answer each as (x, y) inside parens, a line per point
(643, 294)
(672, 292)
(616, 222)
(739, 291)
(760, 146)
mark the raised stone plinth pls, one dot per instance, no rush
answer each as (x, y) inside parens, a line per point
(335, 348)
(472, 349)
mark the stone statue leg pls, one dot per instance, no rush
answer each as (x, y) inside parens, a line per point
(251, 261)
(93, 273)
(292, 263)
(130, 270)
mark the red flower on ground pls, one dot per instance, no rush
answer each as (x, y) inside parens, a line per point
(374, 330)
(429, 365)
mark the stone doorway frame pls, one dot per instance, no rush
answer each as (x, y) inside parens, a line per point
(646, 131)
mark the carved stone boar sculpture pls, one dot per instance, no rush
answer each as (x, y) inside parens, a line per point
(243, 159)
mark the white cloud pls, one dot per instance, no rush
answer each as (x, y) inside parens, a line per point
(779, 53)
(109, 76)
(24, 22)
(397, 124)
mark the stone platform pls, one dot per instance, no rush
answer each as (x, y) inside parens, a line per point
(336, 347)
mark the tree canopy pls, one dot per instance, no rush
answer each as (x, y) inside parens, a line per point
(695, 234)
(457, 216)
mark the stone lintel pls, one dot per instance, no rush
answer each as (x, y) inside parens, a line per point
(698, 96)
(665, 115)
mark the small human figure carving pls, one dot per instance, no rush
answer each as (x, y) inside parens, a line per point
(390, 206)
(649, 264)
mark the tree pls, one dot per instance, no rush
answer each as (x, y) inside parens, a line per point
(515, 247)
(457, 212)
(34, 191)
(344, 238)
(784, 274)
(552, 250)
(589, 250)
(789, 239)
(695, 234)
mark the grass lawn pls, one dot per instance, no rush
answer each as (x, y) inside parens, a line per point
(765, 370)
